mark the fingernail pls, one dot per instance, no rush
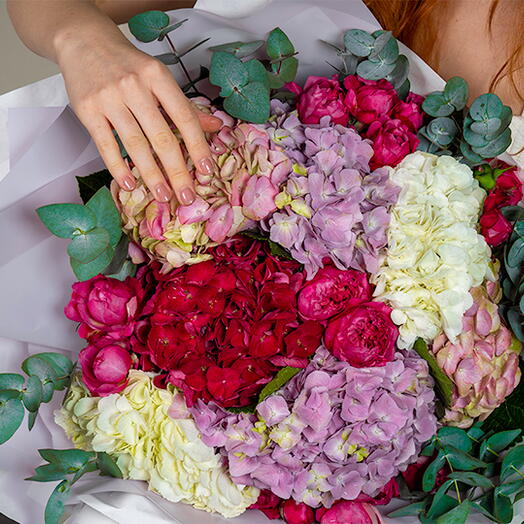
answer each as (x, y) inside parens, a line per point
(162, 193)
(206, 166)
(129, 183)
(187, 196)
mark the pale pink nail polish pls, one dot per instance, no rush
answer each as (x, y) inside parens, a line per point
(162, 193)
(206, 166)
(129, 183)
(187, 196)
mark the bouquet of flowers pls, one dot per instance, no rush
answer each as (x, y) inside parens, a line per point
(336, 320)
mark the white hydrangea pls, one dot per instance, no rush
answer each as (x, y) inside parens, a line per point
(435, 255)
(134, 426)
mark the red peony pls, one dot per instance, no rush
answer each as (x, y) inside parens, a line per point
(363, 336)
(410, 112)
(297, 513)
(268, 503)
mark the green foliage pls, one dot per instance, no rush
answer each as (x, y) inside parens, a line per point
(148, 26)
(443, 384)
(90, 184)
(474, 482)
(245, 85)
(68, 466)
(283, 376)
(47, 373)
(66, 220)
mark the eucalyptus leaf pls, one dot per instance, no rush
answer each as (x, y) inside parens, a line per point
(148, 26)
(62, 365)
(359, 42)
(471, 479)
(170, 28)
(68, 459)
(11, 416)
(513, 213)
(456, 92)
(250, 103)
(107, 466)
(12, 381)
(485, 107)
(31, 419)
(411, 509)
(469, 154)
(385, 49)
(374, 70)
(400, 73)
(257, 72)
(63, 220)
(449, 435)
(441, 502)
(278, 45)
(436, 105)
(458, 515)
(495, 147)
(515, 321)
(168, 58)
(90, 184)
(227, 72)
(55, 505)
(286, 70)
(502, 508)
(48, 473)
(33, 394)
(458, 459)
(430, 474)
(502, 440)
(516, 253)
(86, 247)
(239, 49)
(107, 215)
(486, 127)
(39, 367)
(283, 376)
(95, 267)
(443, 129)
(514, 459)
(508, 488)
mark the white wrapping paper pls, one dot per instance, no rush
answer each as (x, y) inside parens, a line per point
(47, 147)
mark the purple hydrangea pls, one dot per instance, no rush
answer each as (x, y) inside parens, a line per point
(333, 431)
(331, 205)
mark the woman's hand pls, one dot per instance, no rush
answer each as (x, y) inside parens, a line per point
(113, 85)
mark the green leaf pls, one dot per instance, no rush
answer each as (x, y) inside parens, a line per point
(55, 505)
(385, 48)
(508, 488)
(48, 473)
(168, 58)
(444, 384)
(458, 515)
(278, 251)
(286, 70)
(33, 394)
(86, 247)
(441, 503)
(502, 507)
(107, 215)
(11, 415)
(514, 459)
(93, 268)
(62, 365)
(372, 70)
(485, 107)
(436, 105)
(107, 466)
(39, 367)
(239, 49)
(250, 103)
(411, 509)
(227, 72)
(283, 376)
(475, 432)
(250, 408)
(257, 72)
(516, 253)
(279, 45)
(358, 42)
(456, 92)
(430, 475)
(469, 154)
(495, 147)
(63, 220)
(31, 419)
(11, 381)
(428, 450)
(486, 127)
(450, 436)
(170, 28)
(513, 213)
(400, 74)
(442, 130)
(502, 440)
(148, 26)
(68, 459)
(471, 479)
(90, 184)
(461, 460)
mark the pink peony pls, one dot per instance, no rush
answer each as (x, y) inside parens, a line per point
(363, 336)
(320, 97)
(331, 291)
(495, 227)
(106, 305)
(349, 513)
(268, 503)
(392, 141)
(369, 100)
(297, 512)
(388, 492)
(105, 365)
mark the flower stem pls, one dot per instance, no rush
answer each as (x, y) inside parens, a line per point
(186, 72)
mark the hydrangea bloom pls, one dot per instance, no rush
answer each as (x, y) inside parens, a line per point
(435, 255)
(136, 427)
(483, 362)
(333, 432)
(248, 170)
(331, 205)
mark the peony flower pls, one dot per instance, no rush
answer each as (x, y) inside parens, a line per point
(392, 141)
(332, 432)
(369, 100)
(320, 97)
(483, 362)
(297, 513)
(435, 254)
(133, 426)
(106, 305)
(495, 227)
(268, 503)
(105, 364)
(410, 112)
(248, 170)
(363, 336)
(350, 512)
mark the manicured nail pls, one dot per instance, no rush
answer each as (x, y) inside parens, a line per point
(206, 166)
(162, 193)
(187, 196)
(129, 183)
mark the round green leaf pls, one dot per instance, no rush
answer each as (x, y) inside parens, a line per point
(486, 127)
(39, 367)
(469, 154)
(385, 48)
(250, 103)
(148, 26)
(239, 49)
(279, 45)
(62, 366)
(371, 70)
(63, 220)
(11, 381)
(485, 107)
(400, 74)
(436, 105)
(11, 416)
(32, 394)
(55, 505)
(93, 268)
(107, 214)
(257, 72)
(456, 92)
(227, 72)
(457, 437)
(442, 130)
(516, 253)
(285, 70)
(495, 147)
(358, 42)
(85, 248)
